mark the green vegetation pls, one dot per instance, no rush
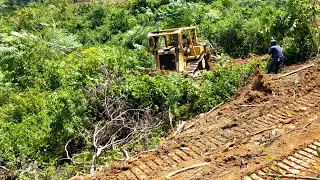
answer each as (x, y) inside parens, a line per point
(60, 61)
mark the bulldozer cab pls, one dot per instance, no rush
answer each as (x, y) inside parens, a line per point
(174, 48)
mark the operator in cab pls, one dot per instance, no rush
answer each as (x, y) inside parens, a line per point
(277, 56)
(186, 44)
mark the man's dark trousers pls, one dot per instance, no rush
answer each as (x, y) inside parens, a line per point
(276, 63)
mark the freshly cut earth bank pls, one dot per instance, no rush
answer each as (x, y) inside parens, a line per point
(271, 117)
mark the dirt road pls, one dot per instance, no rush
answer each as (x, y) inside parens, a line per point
(272, 127)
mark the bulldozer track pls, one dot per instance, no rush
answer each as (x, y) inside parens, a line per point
(193, 66)
(303, 163)
(195, 151)
(279, 120)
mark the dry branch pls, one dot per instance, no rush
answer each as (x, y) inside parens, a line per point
(248, 105)
(170, 117)
(184, 169)
(2, 167)
(291, 176)
(126, 154)
(262, 131)
(180, 127)
(67, 152)
(306, 170)
(117, 122)
(308, 124)
(70, 158)
(295, 71)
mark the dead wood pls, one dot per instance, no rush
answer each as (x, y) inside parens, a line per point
(291, 176)
(306, 170)
(116, 121)
(180, 127)
(2, 167)
(184, 169)
(262, 131)
(126, 154)
(248, 105)
(295, 71)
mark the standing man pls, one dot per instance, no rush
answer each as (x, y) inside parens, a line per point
(277, 56)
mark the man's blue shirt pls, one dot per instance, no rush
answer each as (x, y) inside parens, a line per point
(276, 52)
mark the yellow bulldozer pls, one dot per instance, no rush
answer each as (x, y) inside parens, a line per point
(178, 49)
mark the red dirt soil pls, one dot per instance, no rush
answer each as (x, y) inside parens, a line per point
(271, 117)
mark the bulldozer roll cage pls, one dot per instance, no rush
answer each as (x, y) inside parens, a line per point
(178, 49)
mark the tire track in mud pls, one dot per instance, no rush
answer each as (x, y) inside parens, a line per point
(304, 162)
(157, 165)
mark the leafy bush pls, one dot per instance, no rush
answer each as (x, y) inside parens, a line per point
(299, 43)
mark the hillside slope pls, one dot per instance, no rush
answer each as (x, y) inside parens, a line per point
(271, 117)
